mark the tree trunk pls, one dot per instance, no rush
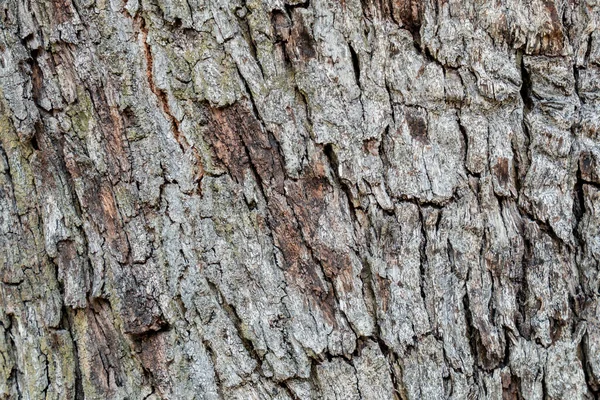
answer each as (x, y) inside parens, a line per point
(288, 199)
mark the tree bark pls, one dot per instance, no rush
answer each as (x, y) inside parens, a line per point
(299, 199)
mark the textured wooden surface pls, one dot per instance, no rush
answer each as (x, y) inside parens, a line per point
(284, 199)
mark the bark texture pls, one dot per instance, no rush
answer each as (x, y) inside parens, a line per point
(299, 199)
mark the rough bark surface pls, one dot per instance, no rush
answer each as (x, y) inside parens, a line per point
(299, 199)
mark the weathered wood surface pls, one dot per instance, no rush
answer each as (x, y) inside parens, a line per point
(284, 199)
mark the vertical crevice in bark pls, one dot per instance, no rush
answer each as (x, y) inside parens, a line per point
(163, 100)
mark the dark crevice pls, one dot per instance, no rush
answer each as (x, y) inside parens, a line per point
(590, 380)
(152, 392)
(247, 34)
(47, 368)
(578, 205)
(544, 226)
(576, 88)
(525, 91)
(34, 143)
(246, 342)
(357, 383)
(237, 322)
(438, 221)
(450, 254)
(523, 308)
(250, 96)
(368, 291)
(355, 64)
(79, 392)
(519, 161)
(438, 205)
(177, 23)
(284, 386)
(11, 346)
(304, 98)
(465, 137)
(423, 257)
(588, 50)
(471, 331)
(334, 166)
(213, 358)
(37, 75)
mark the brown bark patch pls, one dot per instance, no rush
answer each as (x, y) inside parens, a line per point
(309, 200)
(104, 365)
(241, 144)
(98, 200)
(550, 40)
(227, 144)
(416, 119)
(62, 11)
(37, 77)
(502, 171)
(383, 292)
(301, 45)
(406, 13)
(510, 387)
(110, 124)
(140, 313)
(587, 167)
(409, 13)
(281, 25)
(154, 359)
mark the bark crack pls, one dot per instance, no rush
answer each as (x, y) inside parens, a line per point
(163, 101)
